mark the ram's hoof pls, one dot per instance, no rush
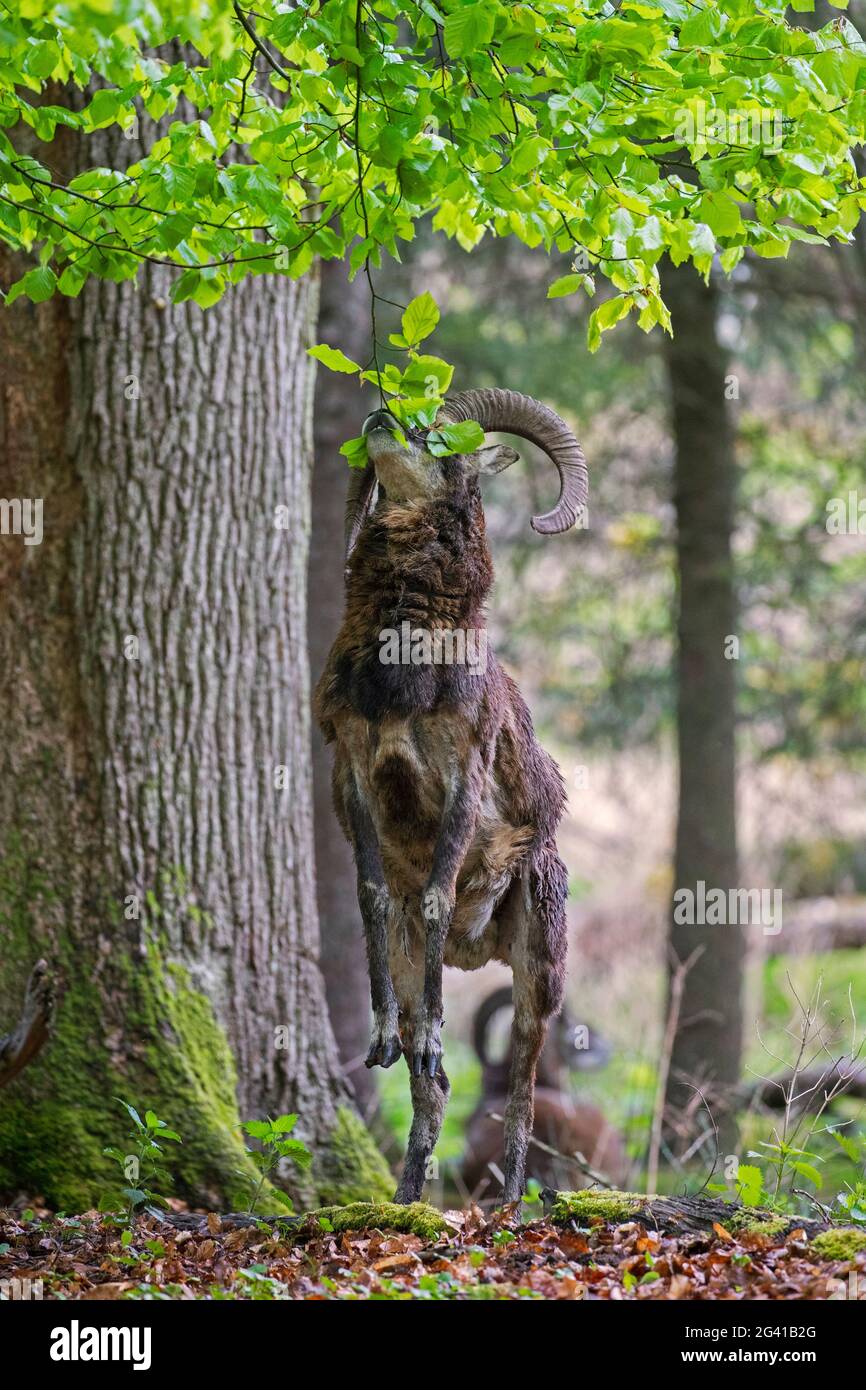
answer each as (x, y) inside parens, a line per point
(384, 1051)
(426, 1063)
(426, 1056)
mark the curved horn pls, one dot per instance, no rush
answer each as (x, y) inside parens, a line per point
(359, 496)
(513, 413)
(500, 999)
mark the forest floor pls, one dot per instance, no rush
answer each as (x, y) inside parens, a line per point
(472, 1256)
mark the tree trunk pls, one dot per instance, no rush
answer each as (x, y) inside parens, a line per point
(155, 798)
(707, 1046)
(344, 320)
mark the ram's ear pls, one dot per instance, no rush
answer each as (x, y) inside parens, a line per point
(492, 458)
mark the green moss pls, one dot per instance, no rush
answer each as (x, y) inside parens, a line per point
(842, 1243)
(417, 1217)
(754, 1222)
(57, 1115)
(168, 1054)
(585, 1207)
(350, 1168)
(136, 1027)
(188, 1051)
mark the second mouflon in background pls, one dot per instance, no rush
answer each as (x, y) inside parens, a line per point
(448, 800)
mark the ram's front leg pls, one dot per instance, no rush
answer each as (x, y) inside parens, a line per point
(374, 902)
(437, 908)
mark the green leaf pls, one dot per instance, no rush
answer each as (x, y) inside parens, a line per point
(38, 285)
(566, 284)
(806, 1170)
(296, 1151)
(420, 318)
(333, 358)
(355, 450)
(135, 1194)
(750, 1184)
(461, 438)
(468, 28)
(132, 1112)
(604, 317)
(847, 1145)
(257, 1129)
(426, 376)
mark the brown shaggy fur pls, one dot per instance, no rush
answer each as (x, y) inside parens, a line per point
(449, 802)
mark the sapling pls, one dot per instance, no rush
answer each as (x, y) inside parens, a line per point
(275, 1146)
(143, 1166)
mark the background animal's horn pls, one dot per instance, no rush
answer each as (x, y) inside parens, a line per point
(500, 999)
(513, 413)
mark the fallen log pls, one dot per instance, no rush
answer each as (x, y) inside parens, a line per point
(820, 924)
(704, 1215)
(674, 1215)
(810, 1089)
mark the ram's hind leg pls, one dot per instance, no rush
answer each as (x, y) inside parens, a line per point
(538, 943)
(429, 1093)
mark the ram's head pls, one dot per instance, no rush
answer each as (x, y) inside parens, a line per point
(402, 463)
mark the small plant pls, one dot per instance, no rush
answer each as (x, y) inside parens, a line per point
(150, 1251)
(816, 1075)
(852, 1202)
(275, 1146)
(143, 1166)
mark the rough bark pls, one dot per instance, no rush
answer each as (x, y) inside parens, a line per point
(344, 321)
(707, 1046)
(150, 848)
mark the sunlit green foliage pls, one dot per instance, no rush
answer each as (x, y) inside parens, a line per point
(574, 124)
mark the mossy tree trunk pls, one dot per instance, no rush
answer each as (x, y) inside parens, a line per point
(155, 801)
(344, 319)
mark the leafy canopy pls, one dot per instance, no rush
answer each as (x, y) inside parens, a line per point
(329, 127)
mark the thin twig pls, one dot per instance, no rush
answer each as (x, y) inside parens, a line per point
(677, 986)
(577, 1158)
(250, 31)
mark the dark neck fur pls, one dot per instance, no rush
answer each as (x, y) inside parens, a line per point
(427, 565)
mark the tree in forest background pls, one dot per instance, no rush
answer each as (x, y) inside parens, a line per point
(705, 997)
(508, 120)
